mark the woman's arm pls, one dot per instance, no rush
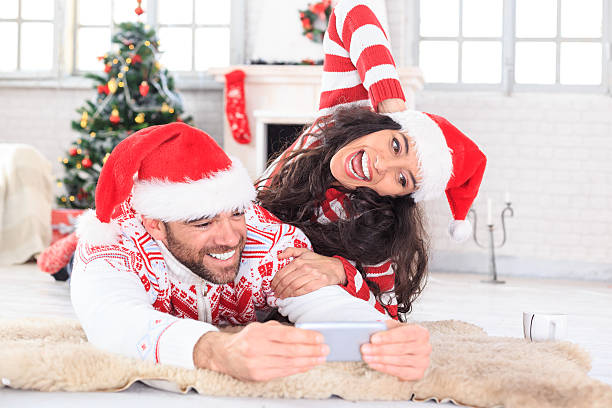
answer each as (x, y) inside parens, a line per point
(358, 64)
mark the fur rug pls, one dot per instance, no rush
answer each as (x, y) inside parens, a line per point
(468, 367)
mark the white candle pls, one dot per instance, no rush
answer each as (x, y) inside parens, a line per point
(489, 211)
(507, 197)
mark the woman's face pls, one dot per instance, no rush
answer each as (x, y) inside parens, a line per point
(384, 161)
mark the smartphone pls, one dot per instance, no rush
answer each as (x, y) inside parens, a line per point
(344, 338)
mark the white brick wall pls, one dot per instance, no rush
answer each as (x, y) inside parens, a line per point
(553, 152)
(41, 117)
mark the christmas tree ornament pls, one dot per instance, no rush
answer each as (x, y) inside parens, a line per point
(143, 88)
(140, 118)
(107, 68)
(171, 110)
(72, 151)
(71, 198)
(131, 46)
(138, 10)
(65, 161)
(112, 85)
(114, 117)
(235, 110)
(136, 59)
(115, 61)
(120, 84)
(120, 75)
(84, 118)
(103, 89)
(128, 60)
(92, 134)
(86, 162)
(79, 151)
(78, 165)
(165, 107)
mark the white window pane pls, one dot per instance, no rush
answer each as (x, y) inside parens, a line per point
(580, 18)
(535, 63)
(581, 63)
(124, 11)
(176, 48)
(96, 12)
(439, 18)
(536, 18)
(481, 62)
(37, 10)
(8, 46)
(91, 43)
(175, 11)
(36, 46)
(212, 48)
(482, 18)
(212, 12)
(439, 60)
(9, 9)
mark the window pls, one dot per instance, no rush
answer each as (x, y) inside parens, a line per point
(194, 34)
(513, 44)
(94, 21)
(27, 30)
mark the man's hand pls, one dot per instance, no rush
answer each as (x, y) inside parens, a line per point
(261, 351)
(306, 273)
(391, 105)
(402, 351)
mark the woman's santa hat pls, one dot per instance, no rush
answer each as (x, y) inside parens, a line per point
(174, 172)
(448, 162)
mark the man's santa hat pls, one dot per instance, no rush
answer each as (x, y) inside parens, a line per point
(174, 172)
(448, 162)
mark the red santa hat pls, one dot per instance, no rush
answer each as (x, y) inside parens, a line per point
(448, 162)
(174, 172)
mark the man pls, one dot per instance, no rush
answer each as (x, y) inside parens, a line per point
(175, 249)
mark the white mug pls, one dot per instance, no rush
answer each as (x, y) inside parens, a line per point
(544, 326)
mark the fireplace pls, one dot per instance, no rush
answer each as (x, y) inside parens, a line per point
(284, 95)
(275, 131)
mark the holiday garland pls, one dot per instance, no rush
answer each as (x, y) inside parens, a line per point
(315, 19)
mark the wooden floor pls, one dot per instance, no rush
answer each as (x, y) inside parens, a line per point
(497, 308)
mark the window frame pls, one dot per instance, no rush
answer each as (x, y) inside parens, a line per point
(58, 16)
(236, 36)
(509, 40)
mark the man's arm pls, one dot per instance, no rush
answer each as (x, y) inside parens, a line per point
(117, 315)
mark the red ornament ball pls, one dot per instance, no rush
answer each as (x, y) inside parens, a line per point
(107, 68)
(86, 162)
(72, 151)
(143, 88)
(136, 58)
(138, 10)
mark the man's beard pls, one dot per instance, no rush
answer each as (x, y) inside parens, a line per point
(194, 259)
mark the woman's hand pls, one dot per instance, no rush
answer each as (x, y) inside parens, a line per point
(402, 351)
(391, 105)
(306, 273)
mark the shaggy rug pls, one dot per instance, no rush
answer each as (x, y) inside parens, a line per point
(468, 367)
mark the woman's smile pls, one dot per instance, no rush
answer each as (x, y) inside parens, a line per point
(358, 166)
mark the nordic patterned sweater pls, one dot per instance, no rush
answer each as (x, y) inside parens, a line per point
(358, 69)
(134, 298)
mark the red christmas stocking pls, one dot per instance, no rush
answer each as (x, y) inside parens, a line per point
(235, 108)
(57, 255)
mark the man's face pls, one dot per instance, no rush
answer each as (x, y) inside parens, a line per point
(211, 247)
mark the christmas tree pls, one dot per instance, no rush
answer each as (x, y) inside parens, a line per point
(134, 92)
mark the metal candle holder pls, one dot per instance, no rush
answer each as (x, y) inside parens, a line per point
(492, 267)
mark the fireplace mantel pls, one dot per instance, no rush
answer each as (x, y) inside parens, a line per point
(286, 91)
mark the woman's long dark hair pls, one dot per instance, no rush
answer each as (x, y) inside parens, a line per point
(376, 228)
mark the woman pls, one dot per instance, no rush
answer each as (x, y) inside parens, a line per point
(352, 180)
